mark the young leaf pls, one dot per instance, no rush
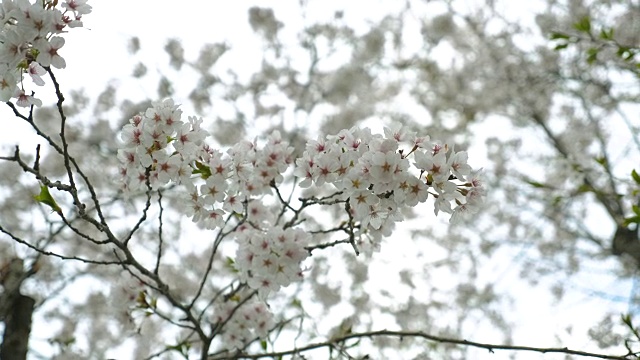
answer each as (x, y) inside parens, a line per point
(46, 198)
(536, 184)
(584, 25)
(631, 220)
(606, 34)
(202, 169)
(231, 265)
(561, 46)
(635, 176)
(601, 160)
(557, 35)
(296, 303)
(584, 188)
(592, 55)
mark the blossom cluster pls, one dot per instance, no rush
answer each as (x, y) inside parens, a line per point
(268, 260)
(28, 42)
(243, 321)
(377, 177)
(159, 148)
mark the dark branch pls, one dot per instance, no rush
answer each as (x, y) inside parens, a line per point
(418, 334)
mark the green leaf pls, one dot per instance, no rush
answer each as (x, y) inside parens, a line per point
(181, 347)
(561, 46)
(536, 184)
(584, 25)
(557, 35)
(631, 220)
(635, 176)
(231, 264)
(629, 56)
(297, 303)
(601, 160)
(606, 34)
(592, 55)
(584, 188)
(46, 198)
(263, 345)
(174, 347)
(203, 170)
(625, 53)
(636, 209)
(141, 300)
(556, 201)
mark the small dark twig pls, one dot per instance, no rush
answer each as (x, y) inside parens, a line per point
(326, 245)
(352, 236)
(36, 162)
(156, 268)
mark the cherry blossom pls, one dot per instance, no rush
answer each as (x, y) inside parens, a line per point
(25, 100)
(373, 174)
(36, 71)
(8, 85)
(458, 164)
(80, 7)
(270, 259)
(27, 35)
(243, 321)
(48, 52)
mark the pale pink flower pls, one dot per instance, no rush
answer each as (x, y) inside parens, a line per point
(305, 169)
(213, 219)
(15, 46)
(25, 100)
(36, 71)
(80, 7)
(8, 85)
(361, 201)
(48, 55)
(213, 190)
(435, 165)
(458, 165)
(233, 203)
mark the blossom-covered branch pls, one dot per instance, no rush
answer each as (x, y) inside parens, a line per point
(370, 171)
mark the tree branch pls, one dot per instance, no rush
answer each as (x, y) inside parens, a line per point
(418, 334)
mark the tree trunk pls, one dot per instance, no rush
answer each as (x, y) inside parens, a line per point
(625, 241)
(17, 321)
